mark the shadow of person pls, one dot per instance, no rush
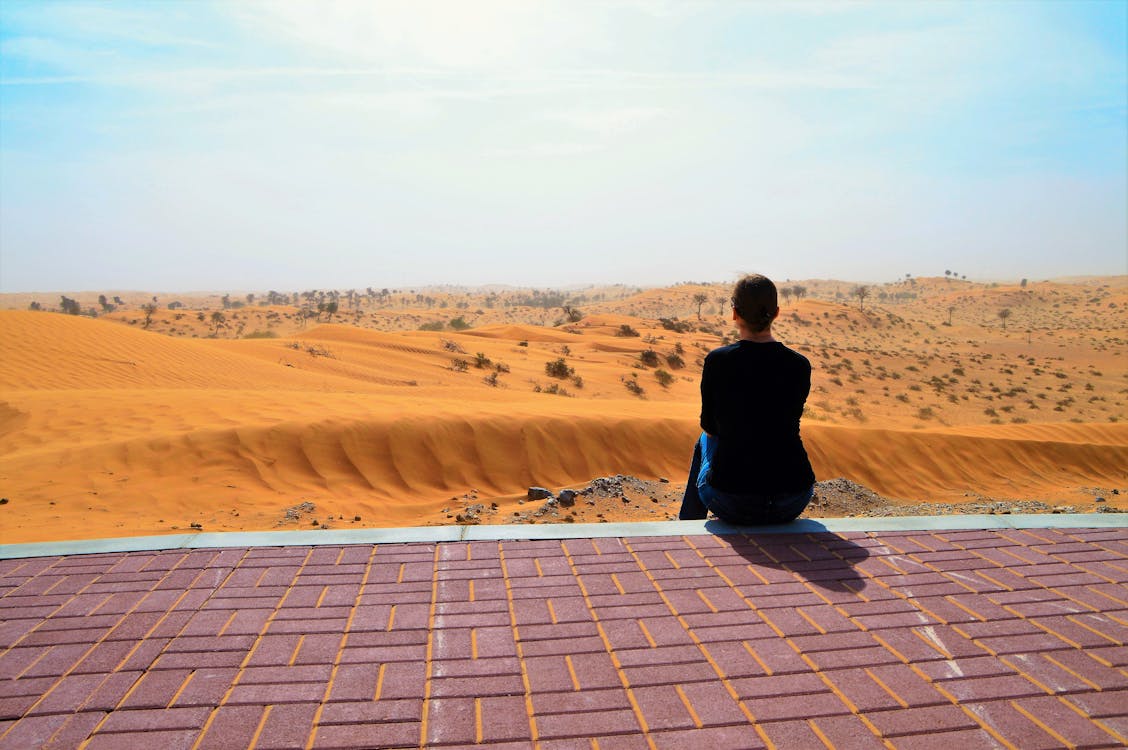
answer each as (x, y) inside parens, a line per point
(804, 547)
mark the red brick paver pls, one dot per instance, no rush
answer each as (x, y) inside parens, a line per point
(912, 639)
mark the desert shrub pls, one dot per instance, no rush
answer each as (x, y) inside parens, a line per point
(453, 346)
(558, 369)
(664, 378)
(501, 367)
(632, 385)
(626, 330)
(491, 379)
(481, 361)
(261, 335)
(459, 365)
(675, 361)
(577, 381)
(678, 326)
(649, 358)
(553, 388)
(523, 343)
(925, 412)
(459, 323)
(436, 325)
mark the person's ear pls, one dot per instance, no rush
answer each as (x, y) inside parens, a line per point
(775, 314)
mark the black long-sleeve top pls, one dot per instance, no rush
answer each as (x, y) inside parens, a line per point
(752, 397)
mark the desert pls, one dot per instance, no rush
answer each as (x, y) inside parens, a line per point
(140, 414)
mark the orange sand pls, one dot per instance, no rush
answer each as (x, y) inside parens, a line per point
(110, 430)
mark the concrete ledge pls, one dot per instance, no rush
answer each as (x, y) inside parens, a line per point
(431, 534)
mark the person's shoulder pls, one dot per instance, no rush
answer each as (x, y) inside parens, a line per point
(794, 356)
(721, 352)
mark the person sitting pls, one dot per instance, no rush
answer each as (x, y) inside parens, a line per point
(749, 465)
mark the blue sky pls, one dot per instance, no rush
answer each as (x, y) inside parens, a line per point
(177, 145)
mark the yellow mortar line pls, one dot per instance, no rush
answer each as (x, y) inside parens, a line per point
(518, 644)
(995, 581)
(611, 651)
(709, 604)
(688, 706)
(340, 556)
(391, 619)
(321, 596)
(671, 559)
(297, 648)
(948, 598)
(572, 673)
(399, 576)
(1107, 637)
(971, 715)
(763, 665)
(230, 619)
(470, 589)
(380, 681)
(101, 640)
(537, 566)
(1054, 633)
(886, 688)
(250, 652)
(701, 646)
(478, 721)
(551, 612)
(181, 689)
(646, 634)
(1042, 725)
(618, 586)
(820, 734)
(430, 647)
(473, 643)
(1026, 676)
(1078, 675)
(258, 729)
(341, 644)
(815, 625)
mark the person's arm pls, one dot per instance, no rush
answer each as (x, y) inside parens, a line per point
(708, 397)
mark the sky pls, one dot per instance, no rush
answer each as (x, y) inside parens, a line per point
(176, 145)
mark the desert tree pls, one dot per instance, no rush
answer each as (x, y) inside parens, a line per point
(218, 319)
(951, 309)
(105, 303)
(226, 300)
(722, 301)
(861, 292)
(149, 308)
(572, 314)
(700, 299)
(331, 308)
(250, 298)
(799, 291)
(70, 306)
(786, 293)
(1003, 315)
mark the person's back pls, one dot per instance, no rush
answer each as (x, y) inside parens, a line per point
(752, 399)
(749, 465)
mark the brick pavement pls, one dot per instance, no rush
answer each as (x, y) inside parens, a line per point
(911, 639)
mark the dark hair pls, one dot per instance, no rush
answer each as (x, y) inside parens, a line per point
(754, 299)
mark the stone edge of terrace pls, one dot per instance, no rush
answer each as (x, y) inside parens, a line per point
(458, 533)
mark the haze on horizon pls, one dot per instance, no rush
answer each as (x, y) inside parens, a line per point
(209, 145)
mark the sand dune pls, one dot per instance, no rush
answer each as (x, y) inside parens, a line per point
(108, 430)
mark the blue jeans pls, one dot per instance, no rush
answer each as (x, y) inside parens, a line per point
(739, 509)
